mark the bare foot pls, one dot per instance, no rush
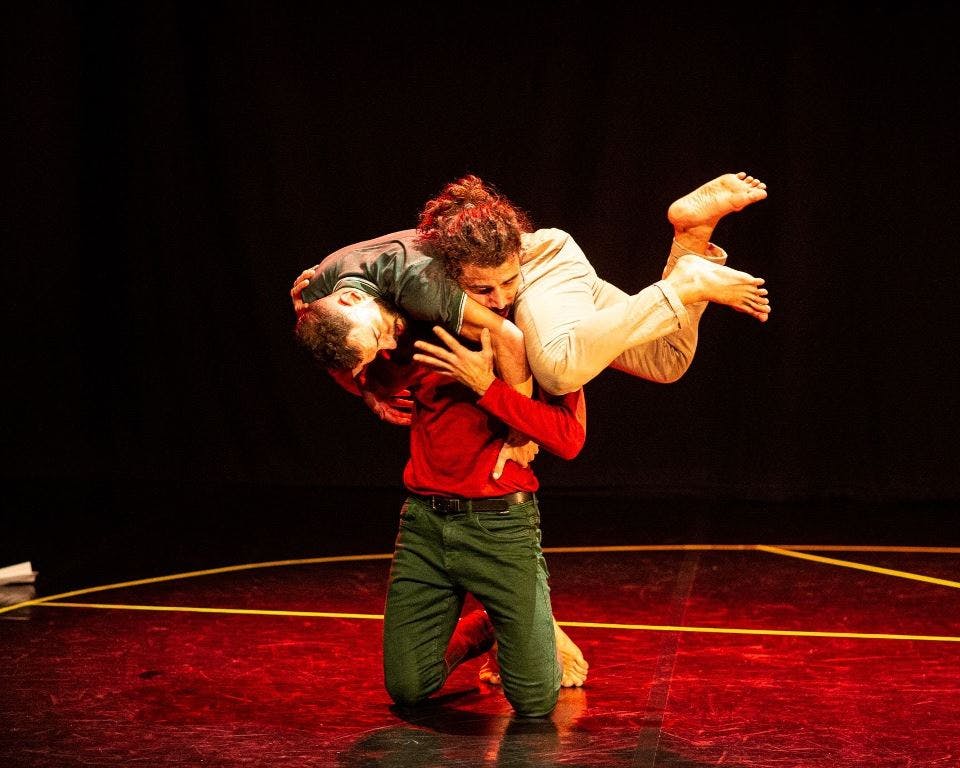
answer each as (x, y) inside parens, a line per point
(695, 215)
(574, 667)
(697, 279)
(490, 669)
(573, 664)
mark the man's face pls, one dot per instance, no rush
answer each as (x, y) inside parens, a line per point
(494, 287)
(376, 326)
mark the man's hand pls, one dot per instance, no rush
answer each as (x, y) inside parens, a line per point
(299, 305)
(522, 454)
(395, 409)
(507, 341)
(473, 369)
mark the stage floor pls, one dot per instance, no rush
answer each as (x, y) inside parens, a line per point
(700, 654)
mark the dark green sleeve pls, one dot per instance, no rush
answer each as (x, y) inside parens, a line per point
(395, 270)
(425, 293)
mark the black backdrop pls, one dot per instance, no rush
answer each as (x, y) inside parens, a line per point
(171, 167)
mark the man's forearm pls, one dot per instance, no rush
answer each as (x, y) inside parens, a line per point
(507, 341)
(511, 357)
(560, 426)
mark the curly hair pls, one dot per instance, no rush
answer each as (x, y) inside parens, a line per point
(469, 222)
(323, 332)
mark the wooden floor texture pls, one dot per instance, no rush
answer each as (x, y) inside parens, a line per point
(700, 654)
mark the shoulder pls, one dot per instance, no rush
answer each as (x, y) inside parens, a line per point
(546, 239)
(394, 241)
(548, 235)
(544, 243)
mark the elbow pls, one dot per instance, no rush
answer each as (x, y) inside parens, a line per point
(671, 377)
(573, 445)
(674, 365)
(511, 335)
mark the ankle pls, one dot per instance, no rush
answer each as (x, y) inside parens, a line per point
(686, 280)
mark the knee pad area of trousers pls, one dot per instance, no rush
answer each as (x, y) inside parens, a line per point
(535, 704)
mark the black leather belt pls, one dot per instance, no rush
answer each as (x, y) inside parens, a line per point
(447, 505)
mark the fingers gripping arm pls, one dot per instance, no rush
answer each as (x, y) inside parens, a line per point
(299, 305)
(506, 340)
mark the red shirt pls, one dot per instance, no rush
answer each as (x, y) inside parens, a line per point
(456, 437)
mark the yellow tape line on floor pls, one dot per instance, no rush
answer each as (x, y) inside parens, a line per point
(858, 566)
(192, 574)
(583, 624)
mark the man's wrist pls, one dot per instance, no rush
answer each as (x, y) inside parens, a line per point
(483, 383)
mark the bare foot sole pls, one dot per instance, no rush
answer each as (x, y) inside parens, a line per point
(695, 215)
(715, 199)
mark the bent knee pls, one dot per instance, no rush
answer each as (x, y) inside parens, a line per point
(406, 692)
(555, 378)
(670, 377)
(538, 703)
(403, 700)
(560, 367)
(540, 708)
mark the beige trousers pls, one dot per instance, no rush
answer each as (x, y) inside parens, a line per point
(576, 324)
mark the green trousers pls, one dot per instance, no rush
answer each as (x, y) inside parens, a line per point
(437, 560)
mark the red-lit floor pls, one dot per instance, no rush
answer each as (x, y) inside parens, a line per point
(702, 656)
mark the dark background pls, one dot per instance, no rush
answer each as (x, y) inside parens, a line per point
(171, 167)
